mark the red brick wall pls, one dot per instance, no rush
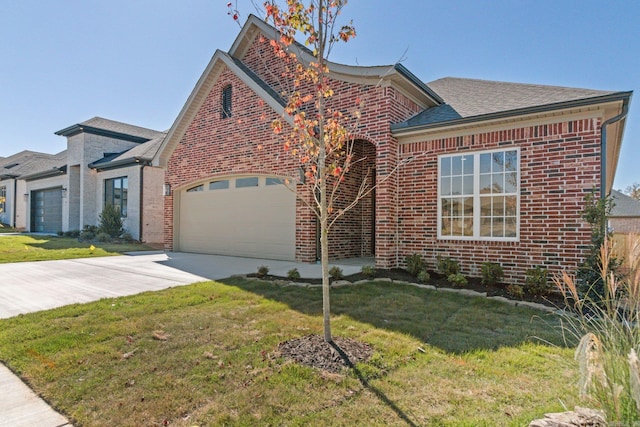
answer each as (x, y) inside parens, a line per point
(559, 166)
(622, 225)
(213, 146)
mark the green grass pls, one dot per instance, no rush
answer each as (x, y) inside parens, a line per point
(21, 248)
(440, 358)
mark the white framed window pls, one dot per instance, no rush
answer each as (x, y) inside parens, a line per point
(479, 195)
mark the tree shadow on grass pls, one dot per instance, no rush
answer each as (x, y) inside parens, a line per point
(452, 322)
(367, 385)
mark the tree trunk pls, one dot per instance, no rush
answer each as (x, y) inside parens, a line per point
(324, 259)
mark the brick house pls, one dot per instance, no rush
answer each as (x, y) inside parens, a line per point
(625, 215)
(474, 170)
(106, 162)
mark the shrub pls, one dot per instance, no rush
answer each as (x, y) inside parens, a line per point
(111, 221)
(368, 271)
(448, 266)
(415, 264)
(88, 233)
(72, 233)
(102, 237)
(537, 281)
(590, 283)
(336, 273)
(263, 270)
(457, 280)
(424, 276)
(293, 274)
(515, 291)
(492, 273)
(608, 335)
(127, 237)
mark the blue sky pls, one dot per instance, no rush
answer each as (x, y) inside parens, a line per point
(136, 61)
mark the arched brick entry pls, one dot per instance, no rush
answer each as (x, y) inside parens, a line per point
(353, 235)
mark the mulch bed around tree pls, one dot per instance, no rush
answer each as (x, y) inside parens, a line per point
(314, 351)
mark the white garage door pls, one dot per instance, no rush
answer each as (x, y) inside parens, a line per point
(240, 216)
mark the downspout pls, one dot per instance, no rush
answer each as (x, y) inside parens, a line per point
(141, 210)
(15, 201)
(603, 146)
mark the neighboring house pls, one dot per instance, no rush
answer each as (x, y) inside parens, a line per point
(11, 168)
(106, 162)
(479, 171)
(625, 215)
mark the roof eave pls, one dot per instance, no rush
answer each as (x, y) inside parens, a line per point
(132, 161)
(80, 128)
(402, 129)
(56, 171)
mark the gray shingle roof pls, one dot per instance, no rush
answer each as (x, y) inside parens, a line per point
(145, 152)
(471, 97)
(28, 162)
(42, 163)
(625, 206)
(119, 127)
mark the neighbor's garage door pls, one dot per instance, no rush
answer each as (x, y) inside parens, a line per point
(244, 216)
(46, 210)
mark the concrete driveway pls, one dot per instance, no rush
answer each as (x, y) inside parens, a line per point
(34, 286)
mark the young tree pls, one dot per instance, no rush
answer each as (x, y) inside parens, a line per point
(311, 129)
(633, 190)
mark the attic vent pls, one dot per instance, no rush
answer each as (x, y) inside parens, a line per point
(226, 102)
(12, 165)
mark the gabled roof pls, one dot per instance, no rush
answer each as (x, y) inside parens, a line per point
(624, 206)
(143, 153)
(391, 75)
(395, 74)
(42, 166)
(218, 62)
(111, 128)
(27, 161)
(471, 97)
(470, 100)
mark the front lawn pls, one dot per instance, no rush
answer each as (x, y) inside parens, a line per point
(206, 354)
(24, 247)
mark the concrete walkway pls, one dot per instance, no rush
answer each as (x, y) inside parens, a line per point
(33, 286)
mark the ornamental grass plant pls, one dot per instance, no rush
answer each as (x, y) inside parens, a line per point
(608, 334)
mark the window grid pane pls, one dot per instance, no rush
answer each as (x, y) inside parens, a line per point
(496, 184)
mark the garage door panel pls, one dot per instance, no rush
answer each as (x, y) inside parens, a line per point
(252, 222)
(46, 210)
